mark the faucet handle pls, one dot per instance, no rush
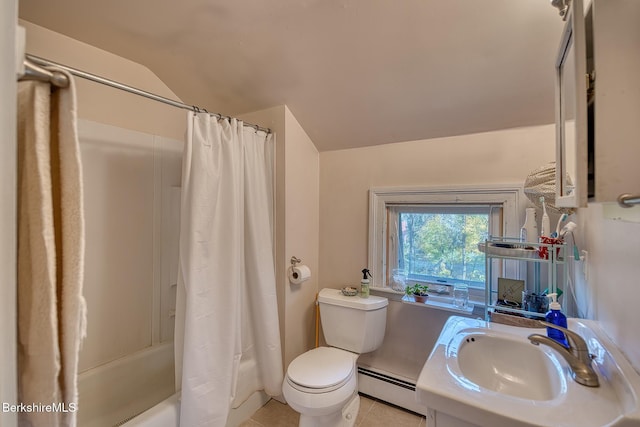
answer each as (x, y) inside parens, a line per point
(577, 345)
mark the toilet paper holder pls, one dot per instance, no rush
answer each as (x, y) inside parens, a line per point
(298, 273)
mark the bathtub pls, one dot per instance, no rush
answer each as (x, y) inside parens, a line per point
(167, 412)
(115, 392)
(124, 391)
(247, 401)
(164, 414)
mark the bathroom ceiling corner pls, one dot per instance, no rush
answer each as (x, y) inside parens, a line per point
(353, 72)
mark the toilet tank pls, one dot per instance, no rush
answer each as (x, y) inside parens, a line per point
(352, 323)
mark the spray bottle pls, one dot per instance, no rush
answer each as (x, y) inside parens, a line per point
(364, 283)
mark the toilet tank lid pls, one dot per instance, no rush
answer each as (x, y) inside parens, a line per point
(336, 297)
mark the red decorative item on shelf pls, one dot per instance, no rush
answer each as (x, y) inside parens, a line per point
(543, 251)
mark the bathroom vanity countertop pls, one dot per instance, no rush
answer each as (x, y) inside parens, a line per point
(443, 385)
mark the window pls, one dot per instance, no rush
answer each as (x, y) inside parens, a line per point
(433, 234)
(439, 244)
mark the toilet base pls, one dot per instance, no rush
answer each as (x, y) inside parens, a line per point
(343, 418)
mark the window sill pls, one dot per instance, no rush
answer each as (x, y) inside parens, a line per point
(440, 303)
(434, 301)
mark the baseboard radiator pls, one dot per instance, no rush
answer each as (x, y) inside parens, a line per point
(389, 388)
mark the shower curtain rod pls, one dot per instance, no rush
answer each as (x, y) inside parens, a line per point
(34, 71)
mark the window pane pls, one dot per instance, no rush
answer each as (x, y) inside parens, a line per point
(441, 245)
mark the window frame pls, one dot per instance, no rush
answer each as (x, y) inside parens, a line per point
(380, 198)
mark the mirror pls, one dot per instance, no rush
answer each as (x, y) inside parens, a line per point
(571, 113)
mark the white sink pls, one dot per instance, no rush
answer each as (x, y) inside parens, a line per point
(505, 364)
(489, 374)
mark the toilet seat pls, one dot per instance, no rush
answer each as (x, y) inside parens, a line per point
(321, 370)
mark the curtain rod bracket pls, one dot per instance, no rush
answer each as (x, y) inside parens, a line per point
(33, 71)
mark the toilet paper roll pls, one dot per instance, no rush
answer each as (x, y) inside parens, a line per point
(299, 274)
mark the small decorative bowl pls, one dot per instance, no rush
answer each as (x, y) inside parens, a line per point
(350, 291)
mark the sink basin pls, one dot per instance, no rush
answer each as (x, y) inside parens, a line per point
(488, 374)
(506, 365)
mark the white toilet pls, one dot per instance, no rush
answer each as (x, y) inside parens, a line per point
(321, 384)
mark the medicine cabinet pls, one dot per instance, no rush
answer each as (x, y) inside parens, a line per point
(571, 112)
(598, 103)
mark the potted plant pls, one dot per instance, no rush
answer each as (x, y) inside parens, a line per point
(418, 292)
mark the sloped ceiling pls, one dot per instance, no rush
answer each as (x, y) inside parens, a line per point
(353, 72)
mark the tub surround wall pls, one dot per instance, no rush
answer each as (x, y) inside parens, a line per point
(131, 269)
(127, 180)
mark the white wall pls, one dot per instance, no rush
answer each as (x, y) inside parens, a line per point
(346, 175)
(302, 171)
(505, 156)
(8, 19)
(612, 284)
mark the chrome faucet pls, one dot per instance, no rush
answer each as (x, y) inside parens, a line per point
(577, 354)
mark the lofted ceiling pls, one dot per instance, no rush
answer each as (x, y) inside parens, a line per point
(353, 72)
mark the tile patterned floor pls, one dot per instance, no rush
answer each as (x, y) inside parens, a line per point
(373, 413)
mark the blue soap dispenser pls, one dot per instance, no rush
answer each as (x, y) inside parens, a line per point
(557, 317)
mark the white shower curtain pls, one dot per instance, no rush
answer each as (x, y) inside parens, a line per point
(226, 303)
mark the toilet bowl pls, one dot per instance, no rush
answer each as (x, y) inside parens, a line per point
(321, 381)
(321, 384)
